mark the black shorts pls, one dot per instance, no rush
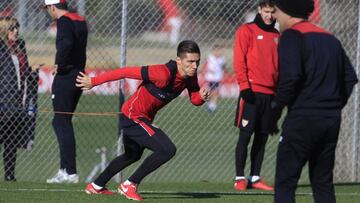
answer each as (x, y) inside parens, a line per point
(214, 85)
(139, 134)
(251, 117)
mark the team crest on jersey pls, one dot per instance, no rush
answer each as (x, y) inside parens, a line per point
(244, 122)
(260, 37)
(276, 40)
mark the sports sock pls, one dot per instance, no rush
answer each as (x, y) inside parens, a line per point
(96, 186)
(127, 182)
(240, 177)
(254, 178)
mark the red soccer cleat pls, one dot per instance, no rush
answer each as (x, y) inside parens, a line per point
(240, 184)
(91, 190)
(261, 185)
(130, 191)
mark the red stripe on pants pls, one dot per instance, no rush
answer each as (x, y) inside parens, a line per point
(146, 127)
(239, 116)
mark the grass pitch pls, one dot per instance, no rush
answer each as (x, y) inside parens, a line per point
(19, 192)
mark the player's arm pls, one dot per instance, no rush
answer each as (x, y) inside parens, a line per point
(64, 43)
(290, 55)
(241, 45)
(241, 48)
(85, 82)
(197, 96)
(153, 73)
(350, 78)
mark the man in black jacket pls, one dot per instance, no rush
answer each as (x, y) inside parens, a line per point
(316, 80)
(71, 39)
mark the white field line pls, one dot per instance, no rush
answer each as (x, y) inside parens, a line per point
(168, 192)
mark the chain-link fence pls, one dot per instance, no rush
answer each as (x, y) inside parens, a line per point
(205, 141)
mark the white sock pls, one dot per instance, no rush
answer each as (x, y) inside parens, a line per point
(96, 186)
(212, 106)
(255, 178)
(127, 182)
(240, 177)
(72, 175)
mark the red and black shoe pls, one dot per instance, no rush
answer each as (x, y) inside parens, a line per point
(129, 191)
(261, 185)
(240, 185)
(91, 190)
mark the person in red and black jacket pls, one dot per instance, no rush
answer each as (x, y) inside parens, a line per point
(316, 79)
(71, 40)
(160, 84)
(255, 65)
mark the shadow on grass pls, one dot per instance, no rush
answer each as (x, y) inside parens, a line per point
(201, 195)
(336, 184)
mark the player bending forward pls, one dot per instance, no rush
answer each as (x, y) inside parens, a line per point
(161, 84)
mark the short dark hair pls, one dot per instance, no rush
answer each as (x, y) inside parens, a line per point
(62, 6)
(265, 3)
(187, 46)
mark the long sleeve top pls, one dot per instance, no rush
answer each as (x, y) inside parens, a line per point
(255, 56)
(316, 76)
(142, 103)
(71, 40)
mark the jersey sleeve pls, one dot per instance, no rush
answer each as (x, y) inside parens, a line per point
(117, 74)
(290, 67)
(64, 42)
(193, 90)
(153, 73)
(241, 45)
(350, 78)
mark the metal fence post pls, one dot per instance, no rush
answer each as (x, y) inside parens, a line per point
(120, 145)
(356, 141)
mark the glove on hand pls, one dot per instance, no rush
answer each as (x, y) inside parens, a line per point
(248, 95)
(274, 118)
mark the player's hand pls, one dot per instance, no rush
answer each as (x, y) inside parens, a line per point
(36, 67)
(276, 112)
(54, 69)
(205, 94)
(83, 81)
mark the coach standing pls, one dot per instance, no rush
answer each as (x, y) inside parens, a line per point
(255, 64)
(316, 80)
(71, 39)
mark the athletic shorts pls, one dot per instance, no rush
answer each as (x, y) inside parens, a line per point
(251, 117)
(139, 133)
(214, 85)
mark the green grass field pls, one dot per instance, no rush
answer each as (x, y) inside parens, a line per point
(20, 192)
(202, 170)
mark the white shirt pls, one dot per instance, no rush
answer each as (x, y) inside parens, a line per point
(215, 68)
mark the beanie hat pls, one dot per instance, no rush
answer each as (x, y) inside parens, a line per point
(296, 8)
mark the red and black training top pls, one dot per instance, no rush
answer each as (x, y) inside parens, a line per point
(255, 56)
(143, 104)
(317, 76)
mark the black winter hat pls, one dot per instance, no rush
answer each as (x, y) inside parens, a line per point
(296, 8)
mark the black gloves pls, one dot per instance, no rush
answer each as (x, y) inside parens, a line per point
(248, 95)
(274, 118)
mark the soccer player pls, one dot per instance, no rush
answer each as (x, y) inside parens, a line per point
(161, 84)
(315, 83)
(71, 40)
(255, 64)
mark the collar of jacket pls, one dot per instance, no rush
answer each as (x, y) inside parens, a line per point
(260, 23)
